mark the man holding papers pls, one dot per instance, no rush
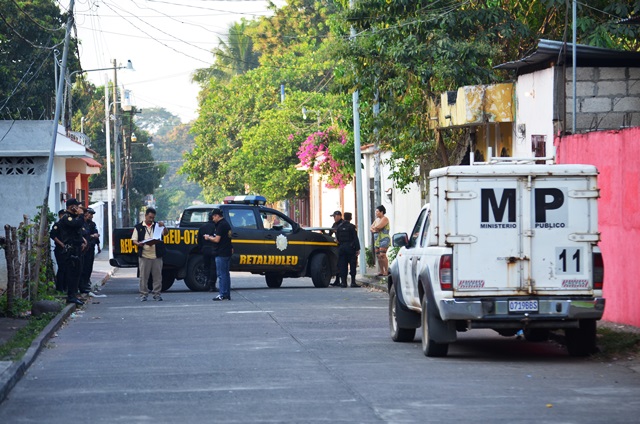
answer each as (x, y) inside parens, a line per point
(147, 235)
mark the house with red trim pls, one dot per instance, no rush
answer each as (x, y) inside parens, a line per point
(24, 156)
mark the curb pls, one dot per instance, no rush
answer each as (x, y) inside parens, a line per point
(373, 282)
(14, 373)
(10, 377)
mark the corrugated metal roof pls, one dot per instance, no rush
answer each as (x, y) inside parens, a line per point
(33, 138)
(553, 52)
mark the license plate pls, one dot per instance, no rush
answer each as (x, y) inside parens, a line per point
(523, 306)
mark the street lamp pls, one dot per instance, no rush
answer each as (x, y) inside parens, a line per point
(107, 125)
(128, 66)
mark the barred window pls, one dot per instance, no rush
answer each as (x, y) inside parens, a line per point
(17, 166)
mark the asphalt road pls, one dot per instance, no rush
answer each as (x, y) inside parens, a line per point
(297, 355)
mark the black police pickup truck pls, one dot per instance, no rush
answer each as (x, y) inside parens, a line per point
(265, 242)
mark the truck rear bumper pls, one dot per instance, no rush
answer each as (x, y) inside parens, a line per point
(497, 309)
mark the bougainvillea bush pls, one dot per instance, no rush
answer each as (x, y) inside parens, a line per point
(330, 153)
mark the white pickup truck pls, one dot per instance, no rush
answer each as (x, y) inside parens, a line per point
(508, 247)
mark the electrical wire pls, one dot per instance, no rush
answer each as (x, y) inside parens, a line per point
(26, 40)
(34, 21)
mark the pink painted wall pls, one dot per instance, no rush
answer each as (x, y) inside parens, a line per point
(616, 154)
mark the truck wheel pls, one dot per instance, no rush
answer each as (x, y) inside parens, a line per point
(168, 278)
(581, 341)
(320, 270)
(429, 321)
(196, 279)
(274, 280)
(536, 335)
(398, 334)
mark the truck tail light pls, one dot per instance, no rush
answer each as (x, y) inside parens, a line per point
(446, 272)
(598, 271)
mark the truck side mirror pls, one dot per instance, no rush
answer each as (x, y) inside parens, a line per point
(400, 240)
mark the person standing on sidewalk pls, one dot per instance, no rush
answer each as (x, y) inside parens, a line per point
(208, 250)
(58, 252)
(223, 254)
(70, 233)
(149, 254)
(91, 235)
(348, 250)
(381, 240)
(337, 220)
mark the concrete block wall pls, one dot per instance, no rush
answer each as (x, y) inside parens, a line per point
(616, 154)
(607, 98)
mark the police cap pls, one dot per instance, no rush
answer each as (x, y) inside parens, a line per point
(216, 211)
(90, 210)
(72, 202)
(336, 213)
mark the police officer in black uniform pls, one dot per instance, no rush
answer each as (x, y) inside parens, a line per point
(92, 237)
(337, 220)
(348, 249)
(208, 250)
(57, 252)
(70, 233)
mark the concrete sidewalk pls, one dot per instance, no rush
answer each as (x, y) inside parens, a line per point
(371, 280)
(11, 372)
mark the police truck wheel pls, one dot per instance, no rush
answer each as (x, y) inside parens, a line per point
(397, 334)
(168, 278)
(429, 320)
(196, 278)
(320, 270)
(581, 341)
(274, 281)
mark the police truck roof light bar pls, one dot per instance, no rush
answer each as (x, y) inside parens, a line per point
(245, 200)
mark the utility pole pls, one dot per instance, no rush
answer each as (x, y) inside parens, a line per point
(107, 126)
(116, 147)
(358, 164)
(377, 177)
(45, 203)
(573, 68)
(126, 177)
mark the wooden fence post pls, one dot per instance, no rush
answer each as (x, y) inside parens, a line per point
(11, 255)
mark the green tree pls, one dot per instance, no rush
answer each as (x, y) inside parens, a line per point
(411, 51)
(170, 141)
(30, 33)
(146, 173)
(246, 138)
(232, 57)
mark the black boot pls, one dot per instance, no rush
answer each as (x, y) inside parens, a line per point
(353, 281)
(337, 282)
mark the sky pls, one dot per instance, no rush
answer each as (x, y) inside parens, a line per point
(166, 40)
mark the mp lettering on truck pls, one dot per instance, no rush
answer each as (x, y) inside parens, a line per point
(498, 208)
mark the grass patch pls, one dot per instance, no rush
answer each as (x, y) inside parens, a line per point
(15, 348)
(618, 343)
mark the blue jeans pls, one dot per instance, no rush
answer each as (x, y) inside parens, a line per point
(224, 277)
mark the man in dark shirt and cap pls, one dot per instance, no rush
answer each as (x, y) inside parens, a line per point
(337, 220)
(70, 233)
(57, 251)
(208, 250)
(91, 235)
(224, 250)
(348, 249)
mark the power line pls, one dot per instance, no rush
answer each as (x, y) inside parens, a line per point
(154, 39)
(34, 21)
(26, 40)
